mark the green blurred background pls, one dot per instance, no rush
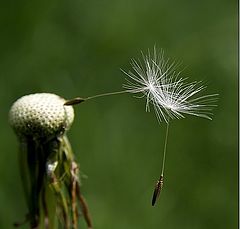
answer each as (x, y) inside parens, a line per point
(76, 48)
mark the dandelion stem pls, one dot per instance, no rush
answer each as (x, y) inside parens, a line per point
(165, 149)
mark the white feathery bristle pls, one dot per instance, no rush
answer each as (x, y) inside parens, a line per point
(171, 96)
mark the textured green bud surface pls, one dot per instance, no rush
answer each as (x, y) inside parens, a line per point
(41, 115)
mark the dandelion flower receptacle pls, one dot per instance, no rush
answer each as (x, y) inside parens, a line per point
(40, 115)
(49, 173)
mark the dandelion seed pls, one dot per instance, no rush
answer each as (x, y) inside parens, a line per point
(172, 96)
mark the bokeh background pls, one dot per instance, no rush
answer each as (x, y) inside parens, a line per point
(76, 48)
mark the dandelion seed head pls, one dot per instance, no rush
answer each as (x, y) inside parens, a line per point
(40, 115)
(171, 96)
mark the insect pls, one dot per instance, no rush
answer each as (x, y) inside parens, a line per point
(157, 190)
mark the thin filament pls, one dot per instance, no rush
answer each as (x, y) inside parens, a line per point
(106, 94)
(165, 149)
(159, 184)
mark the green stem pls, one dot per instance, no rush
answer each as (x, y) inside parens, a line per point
(51, 205)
